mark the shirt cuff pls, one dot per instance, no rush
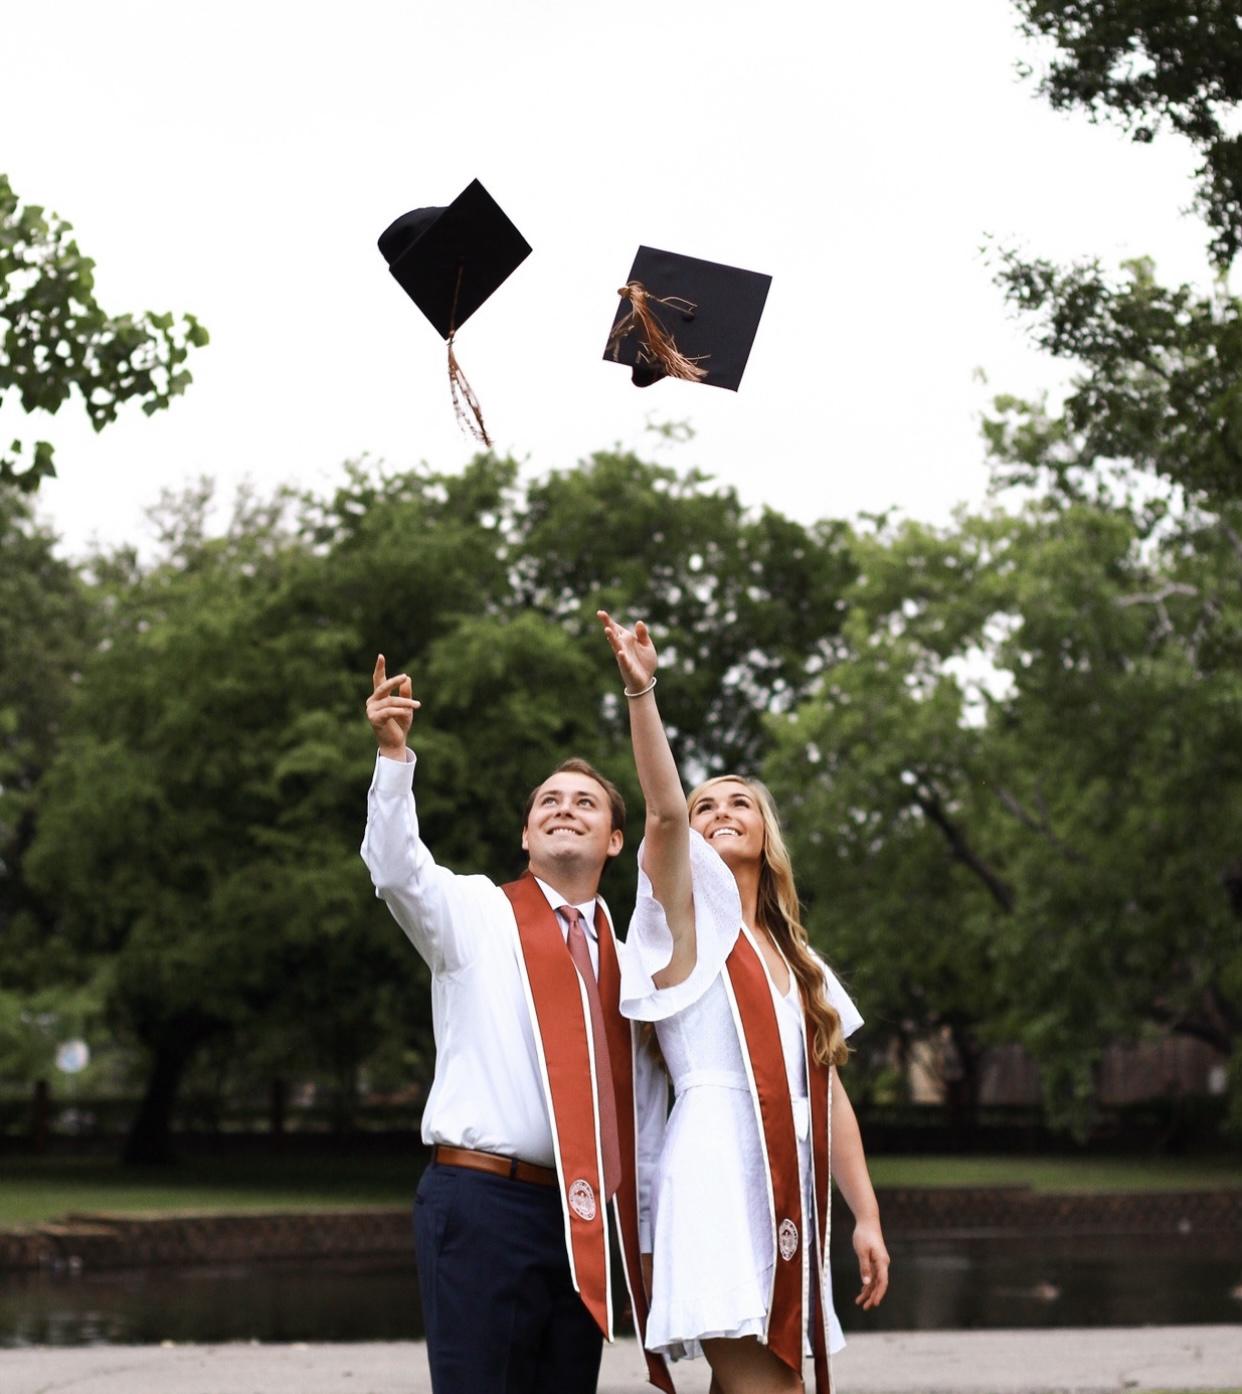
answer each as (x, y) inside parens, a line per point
(393, 777)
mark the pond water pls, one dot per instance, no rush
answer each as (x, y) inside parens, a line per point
(960, 1284)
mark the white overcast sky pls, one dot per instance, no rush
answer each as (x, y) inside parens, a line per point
(238, 160)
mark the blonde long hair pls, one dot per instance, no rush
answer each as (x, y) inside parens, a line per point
(779, 913)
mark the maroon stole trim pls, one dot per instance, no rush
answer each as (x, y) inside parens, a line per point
(762, 1044)
(761, 1041)
(819, 1088)
(561, 1027)
(623, 1051)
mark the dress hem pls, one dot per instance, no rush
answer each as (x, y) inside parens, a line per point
(691, 1347)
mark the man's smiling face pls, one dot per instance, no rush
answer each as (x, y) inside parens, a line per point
(570, 824)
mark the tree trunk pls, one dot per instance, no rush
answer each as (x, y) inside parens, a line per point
(277, 1102)
(962, 1088)
(149, 1142)
(40, 1116)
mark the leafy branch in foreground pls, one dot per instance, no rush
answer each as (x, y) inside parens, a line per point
(1150, 65)
(57, 337)
(1157, 387)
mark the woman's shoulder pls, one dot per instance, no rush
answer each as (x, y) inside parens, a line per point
(838, 997)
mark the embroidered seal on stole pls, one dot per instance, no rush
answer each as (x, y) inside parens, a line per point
(788, 1236)
(582, 1199)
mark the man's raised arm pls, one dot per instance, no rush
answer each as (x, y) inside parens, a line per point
(424, 898)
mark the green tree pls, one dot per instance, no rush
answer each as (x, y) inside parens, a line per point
(880, 774)
(1150, 65)
(48, 626)
(1128, 656)
(1155, 369)
(215, 762)
(153, 814)
(57, 337)
(1013, 799)
(1148, 431)
(199, 827)
(747, 605)
(1156, 390)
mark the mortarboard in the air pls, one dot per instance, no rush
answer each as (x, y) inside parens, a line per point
(449, 261)
(683, 317)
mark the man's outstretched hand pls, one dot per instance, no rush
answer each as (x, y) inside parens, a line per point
(390, 710)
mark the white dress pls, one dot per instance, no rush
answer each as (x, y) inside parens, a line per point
(712, 1241)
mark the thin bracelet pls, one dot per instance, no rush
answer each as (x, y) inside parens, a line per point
(642, 691)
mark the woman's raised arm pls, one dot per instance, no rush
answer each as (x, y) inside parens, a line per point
(666, 855)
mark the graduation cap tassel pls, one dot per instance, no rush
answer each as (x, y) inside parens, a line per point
(465, 403)
(658, 343)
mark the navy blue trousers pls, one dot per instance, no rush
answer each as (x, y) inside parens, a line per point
(501, 1313)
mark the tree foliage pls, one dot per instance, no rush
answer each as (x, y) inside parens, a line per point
(154, 815)
(58, 339)
(1157, 384)
(1000, 831)
(199, 827)
(1155, 369)
(1150, 65)
(48, 624)
(1015, 797)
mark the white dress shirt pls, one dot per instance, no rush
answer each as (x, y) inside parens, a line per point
(488, 1089)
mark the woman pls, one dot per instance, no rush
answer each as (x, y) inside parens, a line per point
(752, 1026)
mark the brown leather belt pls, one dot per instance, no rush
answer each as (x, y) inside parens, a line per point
(493, 1163)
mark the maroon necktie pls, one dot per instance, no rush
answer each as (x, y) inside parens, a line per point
(609, 1140)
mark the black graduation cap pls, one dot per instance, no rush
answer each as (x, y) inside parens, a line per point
(460, 254)
(449, 261)
(683, 317)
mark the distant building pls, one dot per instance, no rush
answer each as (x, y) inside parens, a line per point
(1174, 1066)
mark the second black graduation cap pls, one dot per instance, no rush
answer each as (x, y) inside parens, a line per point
(461, 253)
(715, 336)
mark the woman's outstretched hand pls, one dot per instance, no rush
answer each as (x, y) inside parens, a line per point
(390, 710)
(636, 655)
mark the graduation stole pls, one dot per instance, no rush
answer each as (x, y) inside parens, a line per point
(560, 1020)
(754, 1014)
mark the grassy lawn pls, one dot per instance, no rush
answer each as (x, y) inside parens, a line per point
(33, 1190)
(1062, 1173)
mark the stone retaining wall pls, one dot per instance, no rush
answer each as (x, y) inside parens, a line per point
(122, 1241)
(125, 1241)
(910, 1212)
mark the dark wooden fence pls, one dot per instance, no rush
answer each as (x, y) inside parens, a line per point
(28, 1122)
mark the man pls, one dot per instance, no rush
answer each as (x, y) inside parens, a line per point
(539, 1097)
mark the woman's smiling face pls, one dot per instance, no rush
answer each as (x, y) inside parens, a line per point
(727, 814)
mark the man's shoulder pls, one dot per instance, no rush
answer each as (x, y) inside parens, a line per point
(481, 917)
(482, 891)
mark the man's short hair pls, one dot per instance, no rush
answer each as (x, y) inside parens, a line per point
(577, 765)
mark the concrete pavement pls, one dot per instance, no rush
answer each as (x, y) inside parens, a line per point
(1066, 1361)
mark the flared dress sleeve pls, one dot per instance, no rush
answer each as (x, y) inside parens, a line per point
(717, 923)
(851, 1017)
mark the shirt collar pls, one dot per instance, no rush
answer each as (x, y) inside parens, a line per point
(555, 899)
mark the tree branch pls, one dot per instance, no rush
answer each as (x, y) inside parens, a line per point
(1041, 825)
(1234, 540)
(1194, 1027)
(1157, 598)
(934, 810)
(1222, 1013)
